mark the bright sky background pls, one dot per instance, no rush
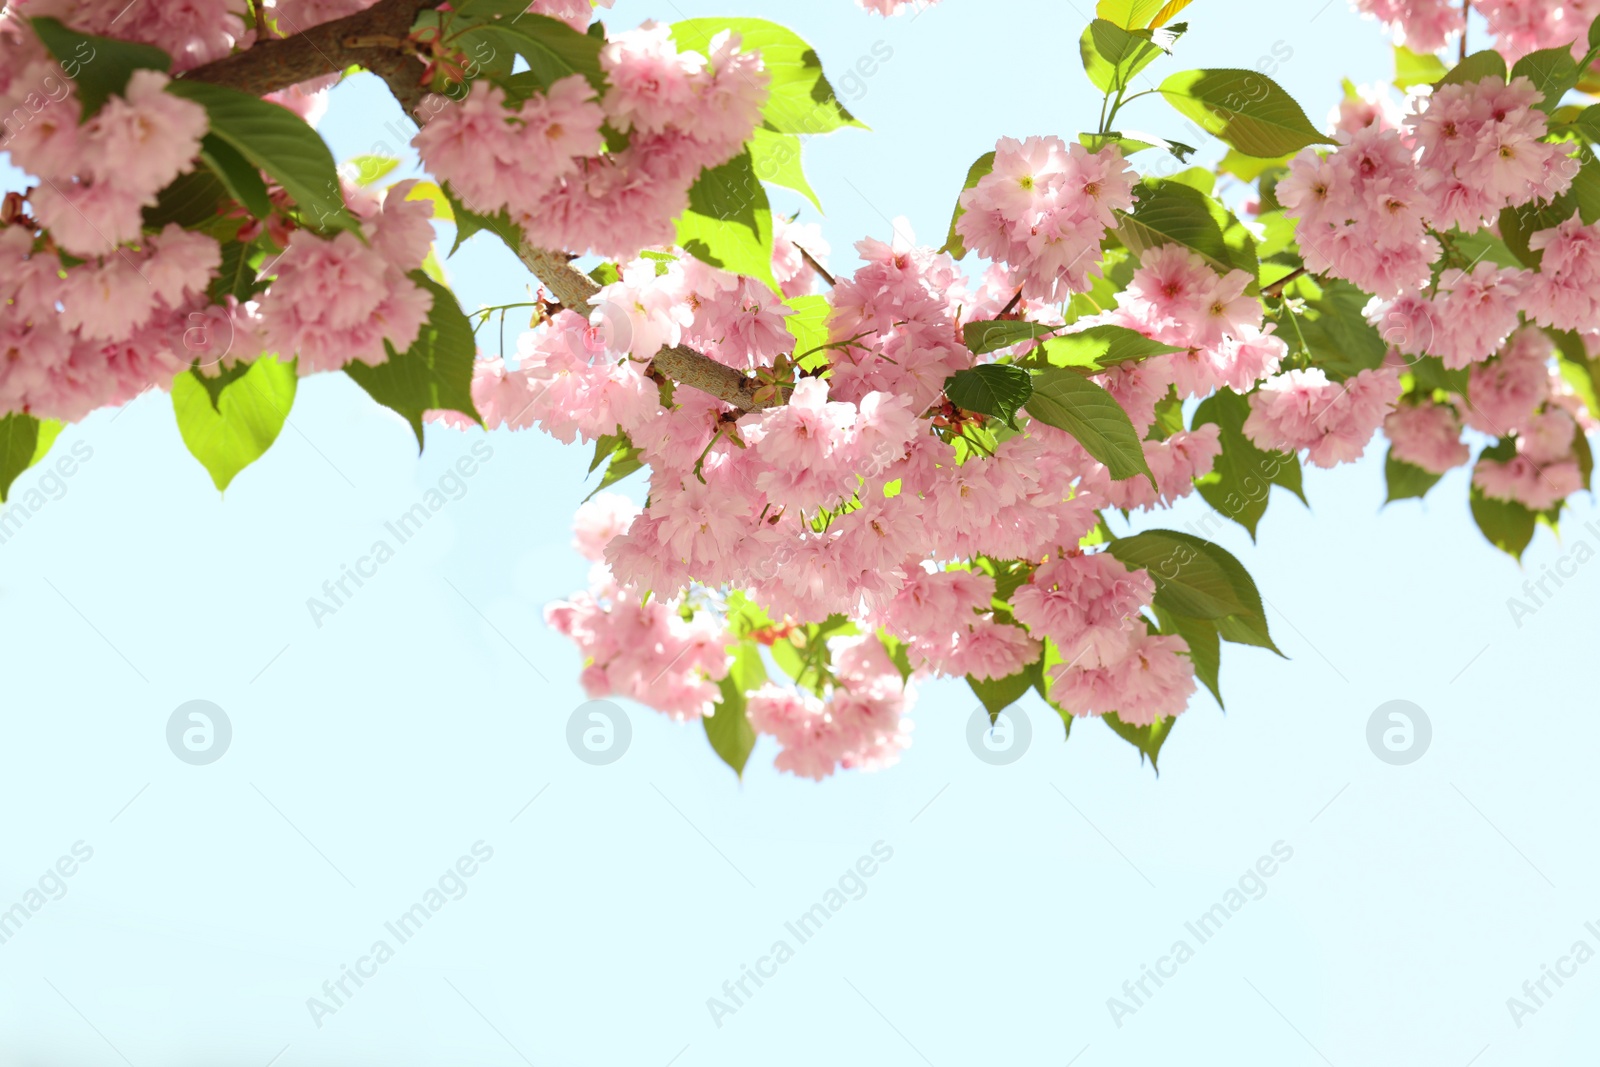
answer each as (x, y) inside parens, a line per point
(369, 754)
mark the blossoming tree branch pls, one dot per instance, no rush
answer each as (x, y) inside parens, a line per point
(855, 481)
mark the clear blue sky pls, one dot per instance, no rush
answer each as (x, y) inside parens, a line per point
(371, 753)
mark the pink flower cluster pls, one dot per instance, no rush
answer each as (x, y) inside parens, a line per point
(1544, 470)
(340, 300)
(192, 32)
(1465, 322)
(842, 500)
(1523, 26)
(1090, 606)
(1566, 291)
(729, 317)
(495, 154)
(1363, 212)
(1468, 152)
(861, 725)
(895, 320)
(575, 13)
(1044, 210)
(1518, 26)
(1302, 409)
(102, 332)
(543, 162)
(96, 177)
(1426, 435)
(1175, 298)
(1480, 151)
(1421, 25)
(946, 618)
(670, 658)
(893, 7)
(646, 651)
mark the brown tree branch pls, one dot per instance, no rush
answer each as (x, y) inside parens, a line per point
(328, 49)
(361, 40)
(575, 290)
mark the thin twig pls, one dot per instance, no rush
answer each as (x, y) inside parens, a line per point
(1009, 308)
(818, 267)
(1275, 290)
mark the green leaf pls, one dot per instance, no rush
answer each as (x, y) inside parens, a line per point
(99, 66)
(553, 50)
(1116, 272)
(999, 694)
(1244, 108)
(1475, 68)
(1041, 684)
(1485, 246)
(776, 159)
(1112, 55)
(49, 430)
(624, 459)
(1098, 348)
(242, 181)
(1508, 525)
(1147, 739)
(1577, 369)
(488, 9)
(982, 168)
(1199, 579)
(276, 140)
(1341, 340)
(1517, 224)
(729, 223)
(991, 335)
(899, 654)
(1240, 483)
(744, 615)
(235, 276)
(996, 389)
(1205, 647)
(1410, 68)
(469, 222)
(1171, 8)
(1071, 402)
(370, 169)
(1406, 482)
(435, 373)
(245, 422)
(1587, 123)
(19, 446)
(803, 655)
(1584, 195)
(215, 383)
(728, 728)
(809, 324)
(1552, 72)
(1172, 212)
(1128, 146)
(1249, 168)
(1128, 14)
(1189, 581)
(190, 201)
(443, 209)
(1168, 417)
(800, 98)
